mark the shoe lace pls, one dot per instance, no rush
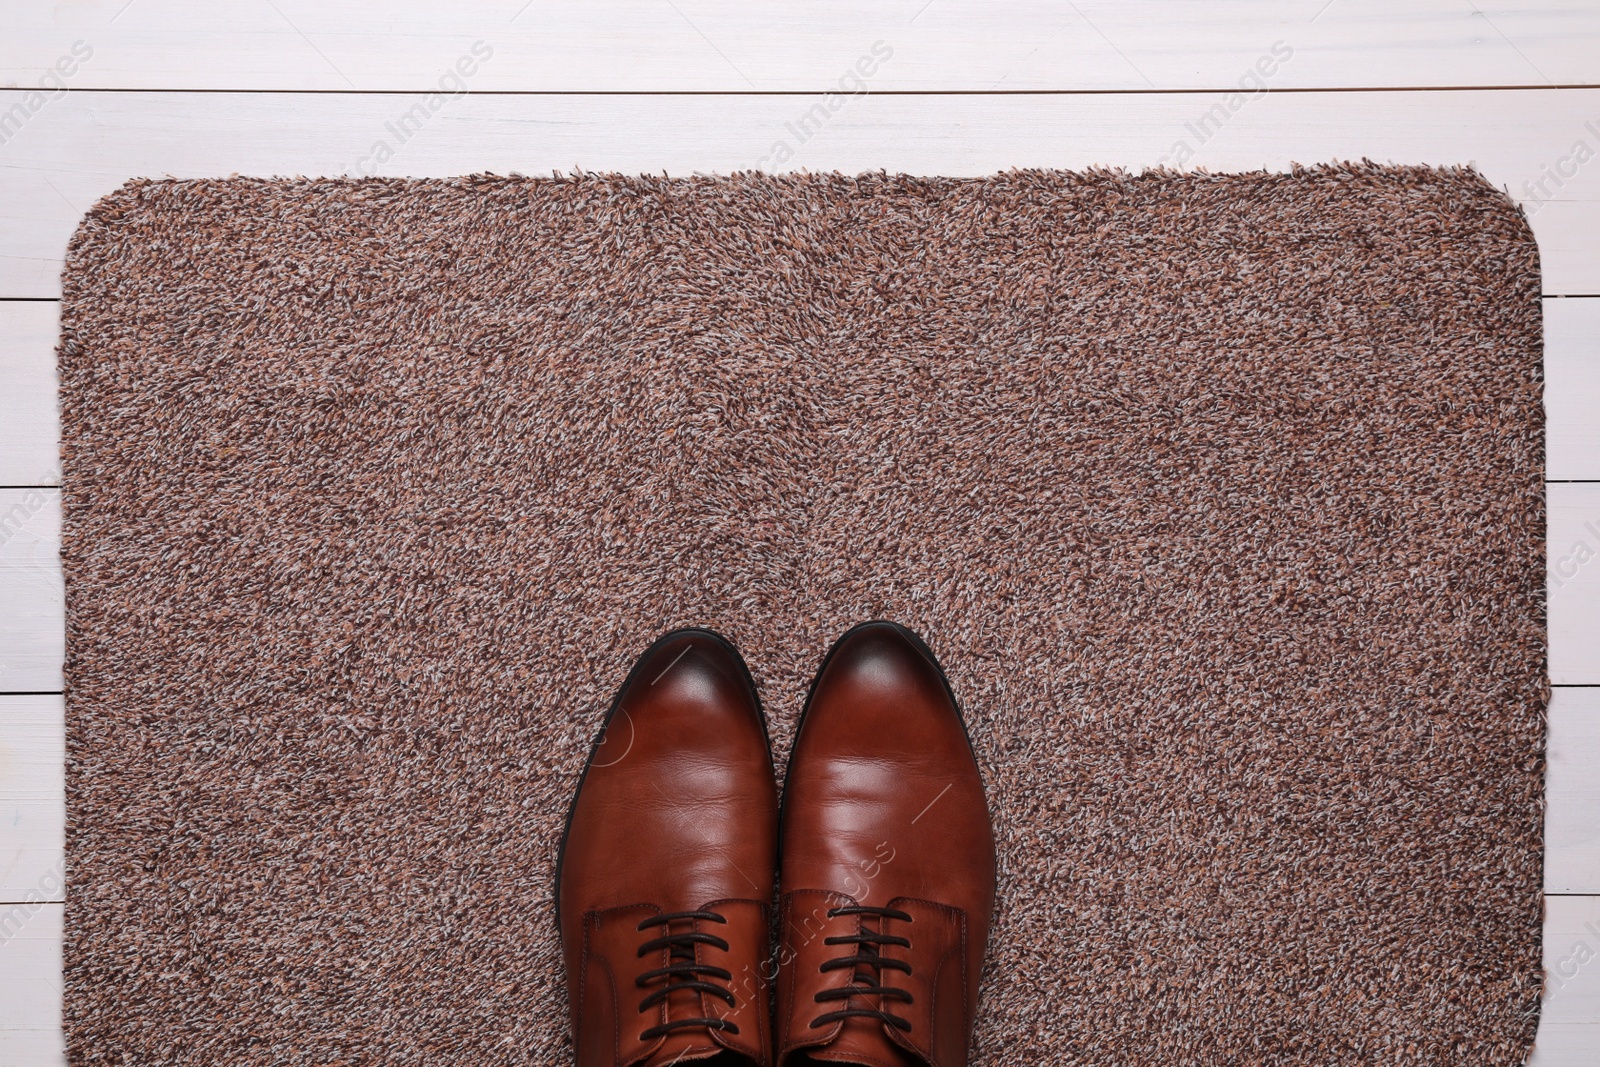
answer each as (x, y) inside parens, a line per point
(682, 971)
(867, 957)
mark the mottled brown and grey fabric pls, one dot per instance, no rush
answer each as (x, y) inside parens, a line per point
(1218, 495)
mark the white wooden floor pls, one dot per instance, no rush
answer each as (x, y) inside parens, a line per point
(103, 90)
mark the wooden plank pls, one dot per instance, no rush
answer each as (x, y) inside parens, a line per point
(1572, 389)
(32, 621)
(32, 615)
(1569, 1026)
(32, 798)
(32, 788)
(1572, 793)
(705, 45)
(1573, 547)
(567, 45)
(1569, 1030)
(79, 146)
(32, 1048)
(29, 425)
(30, 987)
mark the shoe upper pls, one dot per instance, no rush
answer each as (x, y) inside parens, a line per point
(667, 868)
(887, 864)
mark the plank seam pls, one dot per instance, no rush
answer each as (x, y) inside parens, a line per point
(1217, 91)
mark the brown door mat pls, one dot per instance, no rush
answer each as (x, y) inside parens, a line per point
(1219, 496)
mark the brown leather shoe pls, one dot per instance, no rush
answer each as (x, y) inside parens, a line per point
(887, 864)
(665, 882)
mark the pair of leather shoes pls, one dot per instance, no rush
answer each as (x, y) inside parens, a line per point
(673, 850)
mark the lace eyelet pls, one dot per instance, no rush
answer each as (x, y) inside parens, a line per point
(867, 965)
(683, 971)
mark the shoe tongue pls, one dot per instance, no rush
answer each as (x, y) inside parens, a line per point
(685, 1046)
(862, 1042)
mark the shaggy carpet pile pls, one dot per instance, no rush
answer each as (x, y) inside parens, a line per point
(1218, 495)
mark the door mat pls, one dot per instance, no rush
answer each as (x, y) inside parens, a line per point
(1219, 496)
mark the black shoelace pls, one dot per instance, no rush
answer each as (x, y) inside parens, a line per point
(867, 958)
(682, 972)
